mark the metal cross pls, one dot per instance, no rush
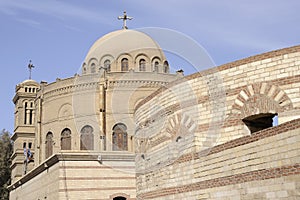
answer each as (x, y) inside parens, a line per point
(30, 66)
(125, 17)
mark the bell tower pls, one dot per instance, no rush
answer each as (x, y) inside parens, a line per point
(24, 128)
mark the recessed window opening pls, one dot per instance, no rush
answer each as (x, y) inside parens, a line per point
(65, 139)
(93, 68)
(119, 137)
(156, 66)
(142, 65)
(49, 145)
(124, 64)
(87, 138)
(166, 67)
(260, 121)
(119, 198)
(107, 65)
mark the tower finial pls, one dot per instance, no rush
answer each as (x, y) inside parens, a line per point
(30, 66)
(124, 18)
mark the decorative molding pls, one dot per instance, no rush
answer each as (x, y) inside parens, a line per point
(136, 83)
(71, 89)
(65, 112)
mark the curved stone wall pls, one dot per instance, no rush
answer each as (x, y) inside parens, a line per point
(210, 108)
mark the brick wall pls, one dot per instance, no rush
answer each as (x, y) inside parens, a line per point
(265, 165)
(205, 110)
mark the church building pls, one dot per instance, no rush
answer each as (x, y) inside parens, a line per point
(80, 130)
(126, 128)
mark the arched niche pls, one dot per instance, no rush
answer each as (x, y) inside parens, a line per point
(120, 137)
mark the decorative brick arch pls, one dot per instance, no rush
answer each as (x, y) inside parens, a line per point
(261, 98)
(179, 125)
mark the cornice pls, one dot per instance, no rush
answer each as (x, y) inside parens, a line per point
(136, 83)
(69, 89)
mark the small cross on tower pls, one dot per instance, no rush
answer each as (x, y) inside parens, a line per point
(30, 66)
(125, 17)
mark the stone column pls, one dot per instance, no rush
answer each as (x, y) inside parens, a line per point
(27, 116)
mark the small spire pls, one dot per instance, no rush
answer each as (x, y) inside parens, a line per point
(30, 66)
(124, 18)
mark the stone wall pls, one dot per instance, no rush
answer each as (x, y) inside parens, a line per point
(74, 175)
(44, 185)
(202, 111)
(265, 165)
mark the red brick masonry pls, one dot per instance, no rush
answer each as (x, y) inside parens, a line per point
(255, 175)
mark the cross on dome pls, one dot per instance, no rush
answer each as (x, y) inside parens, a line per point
(124, 18)
(30, 66)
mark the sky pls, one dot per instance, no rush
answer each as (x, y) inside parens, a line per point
(57, 34)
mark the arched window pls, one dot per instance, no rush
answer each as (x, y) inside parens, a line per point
(156, 66)
(93, 68)
(87, 138)
(166, 67)
(28, 114)
(49, 145)
(124, 64)
(107, 65)
(120, 137)
(142, 65)
(65, 139)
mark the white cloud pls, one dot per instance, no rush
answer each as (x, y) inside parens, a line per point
(57, 9)
(28, 21)
(245, 24)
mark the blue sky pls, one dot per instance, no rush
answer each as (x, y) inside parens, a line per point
(56, 35)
